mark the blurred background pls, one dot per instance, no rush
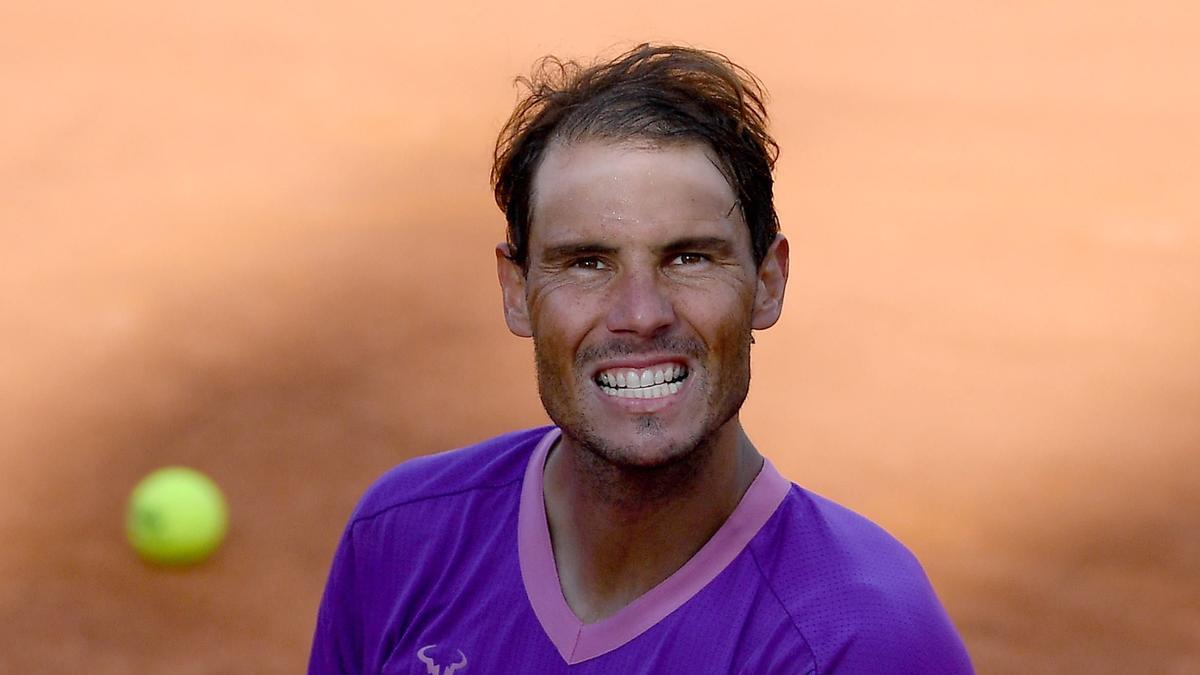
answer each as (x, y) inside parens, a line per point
(256, 238)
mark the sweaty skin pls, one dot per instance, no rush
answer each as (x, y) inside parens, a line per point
(640, 295)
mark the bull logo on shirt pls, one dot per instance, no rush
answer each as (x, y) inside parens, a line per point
(434, 668)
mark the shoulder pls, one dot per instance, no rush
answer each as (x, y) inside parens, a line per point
(418, 528)
(857, 595)
(494, 463)
(838, 542)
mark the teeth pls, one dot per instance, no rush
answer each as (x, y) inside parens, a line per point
(655, 391)
(645, 383)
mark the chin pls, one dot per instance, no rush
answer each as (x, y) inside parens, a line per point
(671, 439)
(645, 447)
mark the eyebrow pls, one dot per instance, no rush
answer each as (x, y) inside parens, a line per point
(579, 250)
(702, 244)
(585, 249)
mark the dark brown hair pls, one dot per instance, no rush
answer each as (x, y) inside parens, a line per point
(656, 93)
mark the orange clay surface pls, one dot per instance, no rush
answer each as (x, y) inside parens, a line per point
(258, 241)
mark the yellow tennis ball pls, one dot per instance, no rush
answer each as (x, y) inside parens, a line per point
(176, 516)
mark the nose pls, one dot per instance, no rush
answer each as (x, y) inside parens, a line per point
(640, 305)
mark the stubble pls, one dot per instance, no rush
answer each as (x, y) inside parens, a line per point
(623, 474)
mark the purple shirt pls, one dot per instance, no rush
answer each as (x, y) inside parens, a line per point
(446, 567)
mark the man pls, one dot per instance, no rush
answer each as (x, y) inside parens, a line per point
(643, 532)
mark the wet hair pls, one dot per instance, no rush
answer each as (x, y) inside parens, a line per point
(659, 94)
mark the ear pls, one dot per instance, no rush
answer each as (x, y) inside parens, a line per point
(512, 291)
(772, 281)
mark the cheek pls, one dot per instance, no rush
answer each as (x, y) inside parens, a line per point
(720, 315)
(560, 319)
(730, 342)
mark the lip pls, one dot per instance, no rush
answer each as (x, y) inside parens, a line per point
(643, 405)
(640, 362)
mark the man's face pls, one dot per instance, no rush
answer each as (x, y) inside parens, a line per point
(640, 295)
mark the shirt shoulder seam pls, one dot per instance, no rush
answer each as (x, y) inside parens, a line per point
(416, 500)
(786, 610)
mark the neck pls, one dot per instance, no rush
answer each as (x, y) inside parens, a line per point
(618, 531)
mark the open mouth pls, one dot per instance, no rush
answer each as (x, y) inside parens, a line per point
(654, 382)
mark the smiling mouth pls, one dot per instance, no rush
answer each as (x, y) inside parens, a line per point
(654, 382)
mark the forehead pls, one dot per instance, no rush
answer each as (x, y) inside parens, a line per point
(611, 189)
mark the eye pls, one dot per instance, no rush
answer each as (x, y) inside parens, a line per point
(589, 264)
(688, 259)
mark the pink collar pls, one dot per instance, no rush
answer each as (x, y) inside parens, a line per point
(578, 642)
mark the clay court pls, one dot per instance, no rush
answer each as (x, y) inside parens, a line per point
(258, 241)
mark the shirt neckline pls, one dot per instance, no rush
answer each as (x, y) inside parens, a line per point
(576, 641)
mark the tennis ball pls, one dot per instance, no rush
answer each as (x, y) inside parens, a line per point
(176, 516)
